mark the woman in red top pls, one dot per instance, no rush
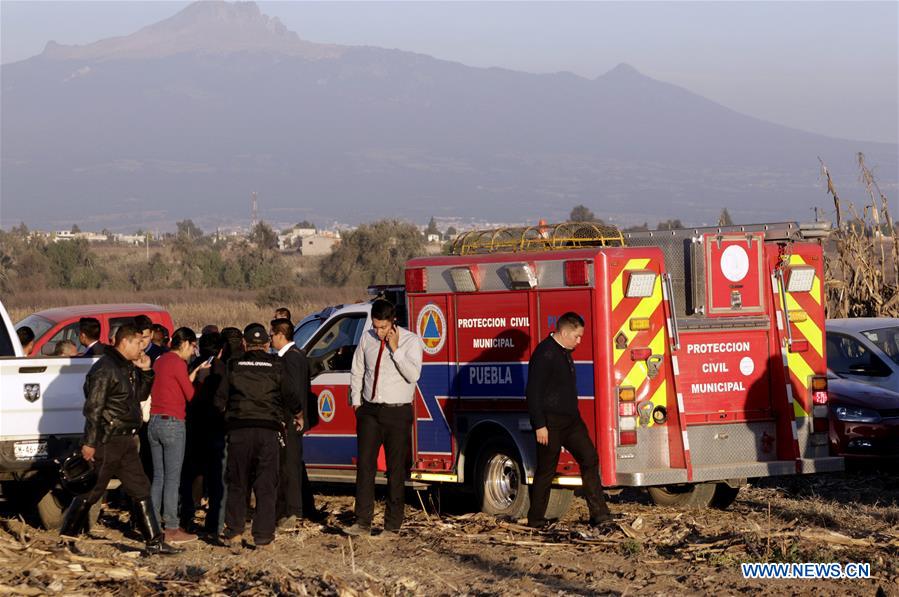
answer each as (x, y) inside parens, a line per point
(172, 390)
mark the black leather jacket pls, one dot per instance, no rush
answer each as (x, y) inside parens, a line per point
(113, 391)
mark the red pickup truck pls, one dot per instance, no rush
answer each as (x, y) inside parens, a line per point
(52, 325)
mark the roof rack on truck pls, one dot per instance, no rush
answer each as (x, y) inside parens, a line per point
(542, 237)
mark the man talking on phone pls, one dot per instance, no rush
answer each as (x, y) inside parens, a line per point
(385, 371)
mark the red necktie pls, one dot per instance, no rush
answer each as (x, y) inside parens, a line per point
(374, 385)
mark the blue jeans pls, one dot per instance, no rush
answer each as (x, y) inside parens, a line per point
(167, 439)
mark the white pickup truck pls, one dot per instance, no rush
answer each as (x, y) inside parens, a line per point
(41, 420)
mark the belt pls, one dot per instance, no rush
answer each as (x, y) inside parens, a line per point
(389, 404)
(166, 417)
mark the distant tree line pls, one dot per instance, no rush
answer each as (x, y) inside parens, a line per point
(188, 258)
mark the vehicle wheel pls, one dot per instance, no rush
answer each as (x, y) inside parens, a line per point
(559, 501)
(724, 496)
(51, 506)
(501, 486)
(694, 495)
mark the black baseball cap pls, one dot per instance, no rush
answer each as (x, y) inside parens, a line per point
(255, 333)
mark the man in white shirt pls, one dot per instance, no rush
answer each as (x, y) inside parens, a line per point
(385, 371)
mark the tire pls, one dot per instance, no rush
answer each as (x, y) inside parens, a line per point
(559, 502)
(694, 495)
(724, 496)
(51, 506)
(501, 484)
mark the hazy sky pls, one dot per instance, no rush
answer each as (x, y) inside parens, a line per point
(827, 67)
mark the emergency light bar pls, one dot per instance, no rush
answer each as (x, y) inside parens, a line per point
(577, 273)
(465, 279)
(522, 276)
(640, 283)
(800, 278)
(416, 279)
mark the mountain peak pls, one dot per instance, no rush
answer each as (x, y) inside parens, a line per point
(622, 70)
(206, 26)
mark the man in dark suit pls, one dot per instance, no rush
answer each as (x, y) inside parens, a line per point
(295, 499)
(89, 336)
(158, 345)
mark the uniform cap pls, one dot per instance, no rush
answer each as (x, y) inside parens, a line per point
(255, 333)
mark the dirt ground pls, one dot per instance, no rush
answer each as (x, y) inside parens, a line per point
(851, 517)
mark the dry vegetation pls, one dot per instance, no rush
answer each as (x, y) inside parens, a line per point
(192, 308)
(862, 269)
(843, 518)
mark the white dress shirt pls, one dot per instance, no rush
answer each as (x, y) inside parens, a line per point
(398, 373)
(284, 349)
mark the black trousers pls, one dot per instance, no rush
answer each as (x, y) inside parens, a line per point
(253, 463)
(294, 492)
(392, 427)
(119, 458)
(308, 498)
(571, 433)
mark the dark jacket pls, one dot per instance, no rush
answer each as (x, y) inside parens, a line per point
(208, 419)
(113, 391)
(552, 385)
(154, 352)
(296, 363)
(97, 350)
(257, 392)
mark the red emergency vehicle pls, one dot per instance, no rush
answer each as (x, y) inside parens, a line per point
(702, 362)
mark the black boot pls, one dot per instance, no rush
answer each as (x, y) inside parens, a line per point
(150, 528)
(74, 521)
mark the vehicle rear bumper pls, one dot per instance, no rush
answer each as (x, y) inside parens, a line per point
(829, 464)
(709, 473)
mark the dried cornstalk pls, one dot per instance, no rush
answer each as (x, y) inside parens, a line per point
(857, 281)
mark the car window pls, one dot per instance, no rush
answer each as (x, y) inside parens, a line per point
(6, 349)
(887, 340)
(70, 332)
(305, 331)
(115, 323)
(848, 356)
(39, 325)
(339, 339)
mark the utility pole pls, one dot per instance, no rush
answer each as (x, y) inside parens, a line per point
(254, 208)
(147, 245)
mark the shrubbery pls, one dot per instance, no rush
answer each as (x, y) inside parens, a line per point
(29, 263)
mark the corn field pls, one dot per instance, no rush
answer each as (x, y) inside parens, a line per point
(862, 264)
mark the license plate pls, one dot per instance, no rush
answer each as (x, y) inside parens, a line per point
(30, 450)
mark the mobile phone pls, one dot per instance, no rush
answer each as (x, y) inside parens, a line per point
(209, 360)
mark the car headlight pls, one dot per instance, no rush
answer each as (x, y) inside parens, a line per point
(854, 414)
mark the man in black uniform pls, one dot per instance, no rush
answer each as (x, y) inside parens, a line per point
(553, 408)
(254, 395)
(114, 388)
(295, 499)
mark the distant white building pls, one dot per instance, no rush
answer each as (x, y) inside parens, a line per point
(433, 238)
(91, 237)
(290, 237)
(130, 239)
(318, 244)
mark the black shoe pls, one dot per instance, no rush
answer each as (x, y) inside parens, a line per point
(74, 521)
(160, 547)
(315, 516)
(151, 530)
(602, 519)
(357, 530)
(539, 524)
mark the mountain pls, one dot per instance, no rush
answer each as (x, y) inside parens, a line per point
(186, 117)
